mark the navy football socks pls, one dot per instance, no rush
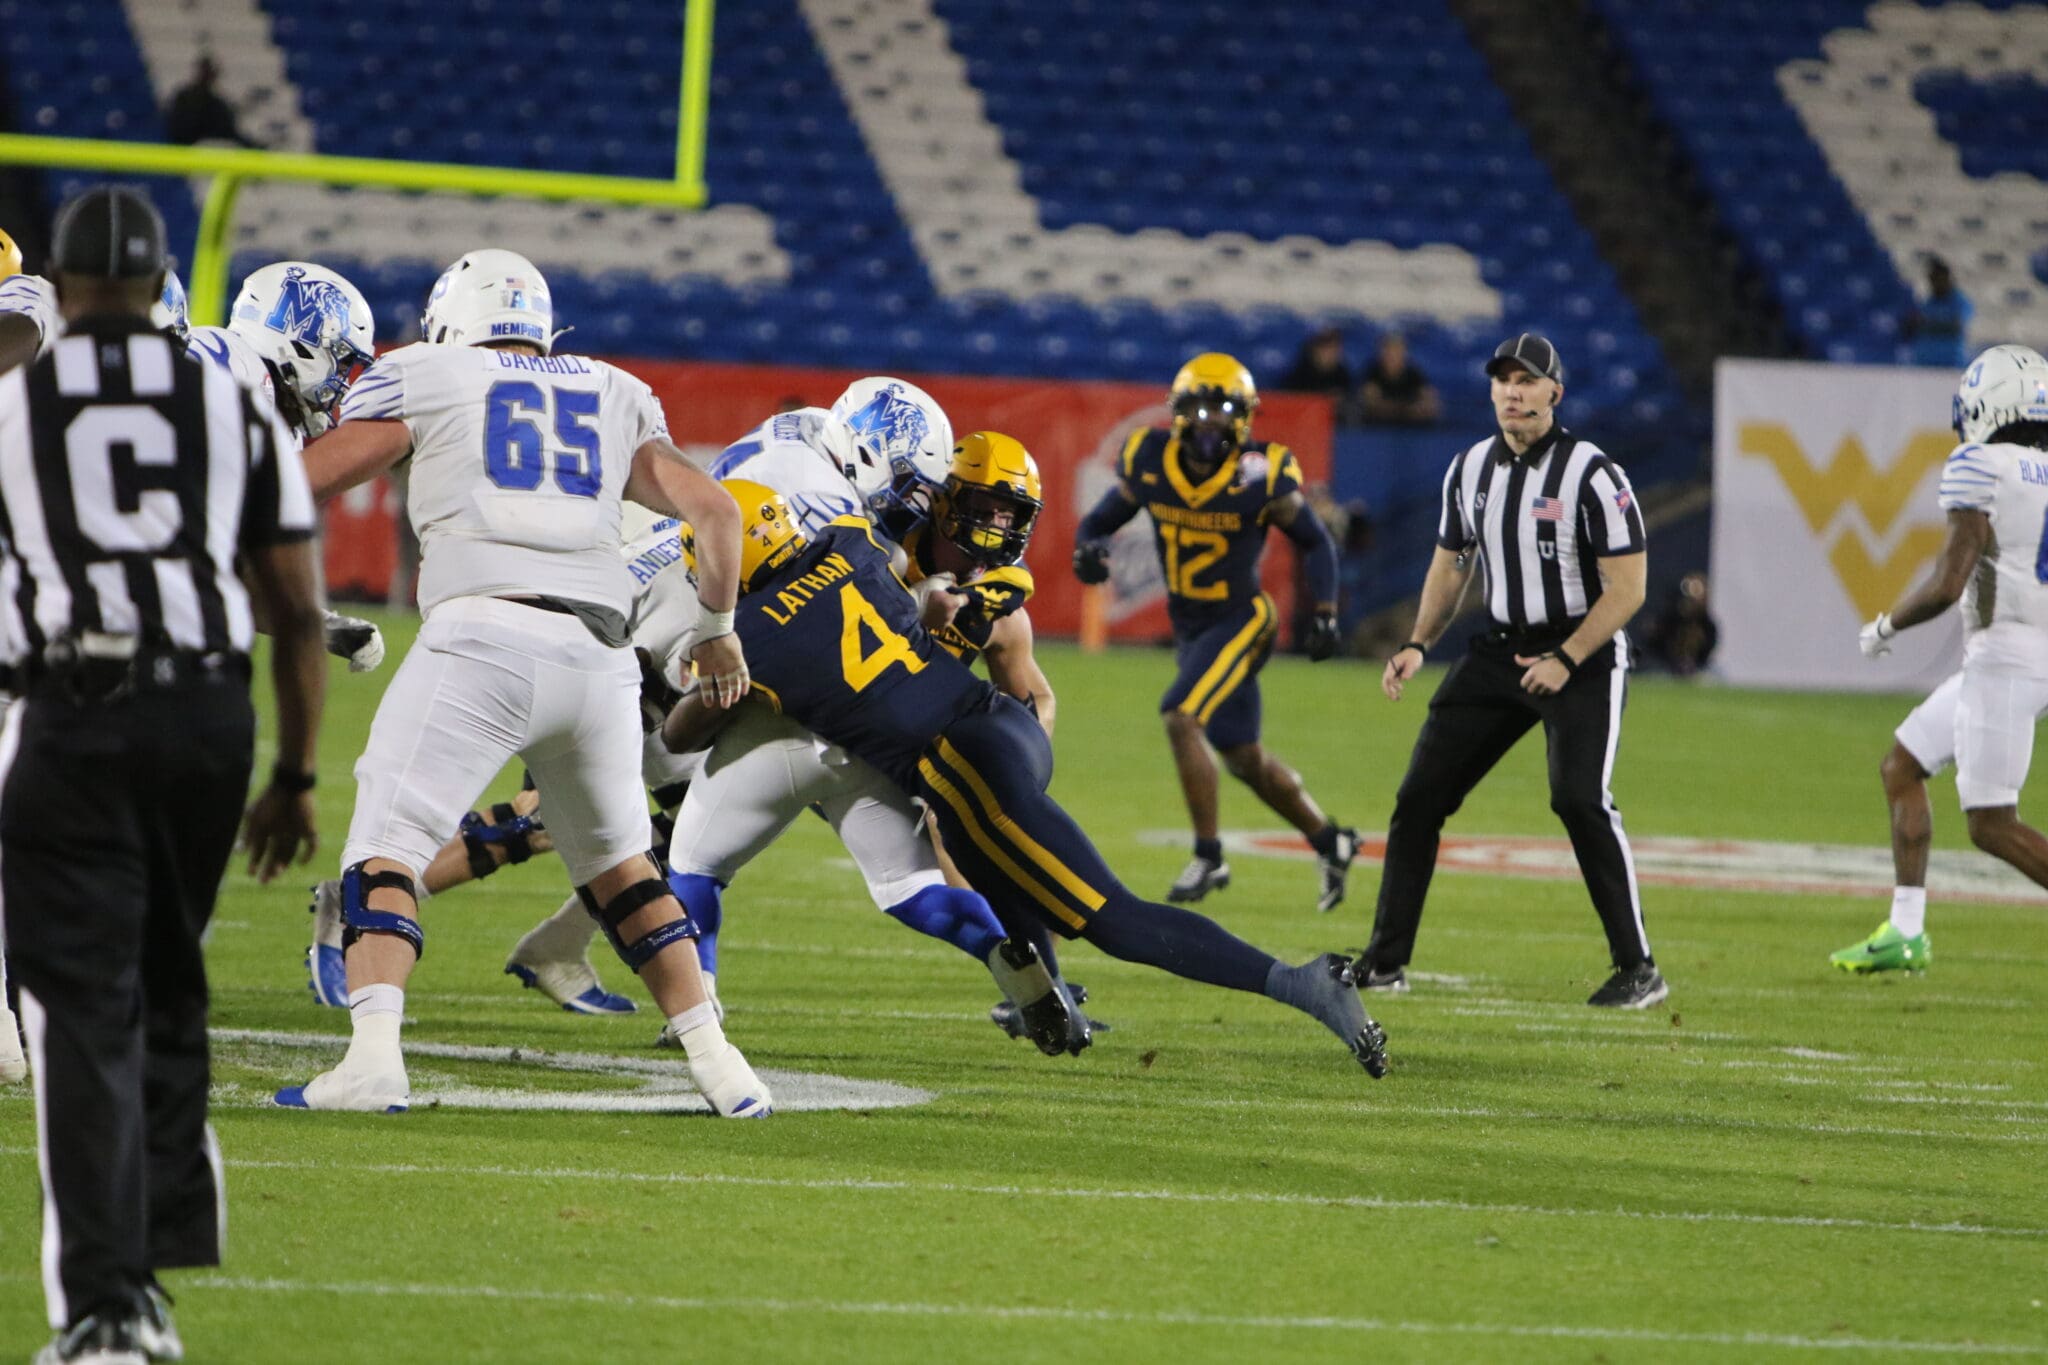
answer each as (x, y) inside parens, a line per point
(1178, 941)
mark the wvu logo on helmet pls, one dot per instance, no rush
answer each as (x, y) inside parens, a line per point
(314, 311)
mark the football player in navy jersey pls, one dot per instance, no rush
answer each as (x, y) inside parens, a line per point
(833, 639)
(1211, 492)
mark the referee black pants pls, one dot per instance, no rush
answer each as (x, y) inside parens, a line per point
(116, 822)
(1476, 716)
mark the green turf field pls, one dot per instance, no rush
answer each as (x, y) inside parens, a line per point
(1783, 1162)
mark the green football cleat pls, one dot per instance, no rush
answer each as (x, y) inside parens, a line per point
(1887, 950)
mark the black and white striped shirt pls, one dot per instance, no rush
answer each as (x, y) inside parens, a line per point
(1541, 522)
(131, 476)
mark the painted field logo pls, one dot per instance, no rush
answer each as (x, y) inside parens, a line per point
(1723, 864)
(1879, 494)
(544, 1080)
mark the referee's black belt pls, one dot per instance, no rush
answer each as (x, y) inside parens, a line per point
(96, 671)
(1546, 636)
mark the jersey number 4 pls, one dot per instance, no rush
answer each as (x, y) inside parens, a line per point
(516, 454)
(857, 663)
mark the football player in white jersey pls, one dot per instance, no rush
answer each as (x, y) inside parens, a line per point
(554, 957)
(1995, 562)
(520, 461)
(297, 335)
(882, 453)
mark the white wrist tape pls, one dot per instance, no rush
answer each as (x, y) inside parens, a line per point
(712, 624)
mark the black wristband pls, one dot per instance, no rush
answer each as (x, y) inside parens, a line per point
(1571, 665)
(291, 779)
(1417, 646)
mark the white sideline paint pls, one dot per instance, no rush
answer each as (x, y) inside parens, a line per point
(667, 1087)
(1166, 1318)
(1246, 1198)
(1722, 864)
(962, 197)
(734, 242)
(1857, 102)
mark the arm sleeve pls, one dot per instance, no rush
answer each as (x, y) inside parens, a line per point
(1318, 551)
(1283, 473)
(1106, 516)
(1452, 532)
(379, 395)
(1608, 511)
(1968, 481)
(277, 503)
(33, 298)
(650, 423)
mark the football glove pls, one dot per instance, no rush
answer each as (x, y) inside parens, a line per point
(1876, 638)
(354, 639)
(1091, 561)
(1322, 636)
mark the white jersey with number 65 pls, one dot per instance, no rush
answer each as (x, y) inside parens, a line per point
(2005, 605)
(518, 465)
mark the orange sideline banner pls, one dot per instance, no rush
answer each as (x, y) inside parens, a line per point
(1076, 431)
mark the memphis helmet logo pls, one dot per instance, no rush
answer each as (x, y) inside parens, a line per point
(888, 421)
(311, 310)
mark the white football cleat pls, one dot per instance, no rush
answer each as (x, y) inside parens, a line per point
(572, 985)
(13, 1066)
(732, 1087)
(326, 972)
(359, 1090)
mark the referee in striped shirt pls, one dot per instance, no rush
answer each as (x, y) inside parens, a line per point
(133, 479)
(1561, 557)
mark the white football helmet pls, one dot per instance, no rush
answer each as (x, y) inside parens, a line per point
(171, 312)
(490, 295)
(2004, 385)
(312, 327)
(904, 446)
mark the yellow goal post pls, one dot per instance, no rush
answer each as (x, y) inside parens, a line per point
(229, 167)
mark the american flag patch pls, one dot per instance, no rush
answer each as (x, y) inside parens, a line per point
(1622, 499)
(1547, 509)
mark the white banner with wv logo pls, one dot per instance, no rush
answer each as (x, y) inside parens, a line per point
(1825, 479)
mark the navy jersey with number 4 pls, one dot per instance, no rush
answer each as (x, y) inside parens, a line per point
(834, 643)
(1209, 533)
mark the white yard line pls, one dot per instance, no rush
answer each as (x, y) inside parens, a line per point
(1246, 1198)
(1013, 1312)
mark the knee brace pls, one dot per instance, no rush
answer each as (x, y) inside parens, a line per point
(702, 899)
(621, 908)
(359, 919)
(505, 828)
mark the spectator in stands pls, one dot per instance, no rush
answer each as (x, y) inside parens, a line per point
(1683, 636)
(197, 113)
(1395, 392)
(1320, 367)
(1940, 327)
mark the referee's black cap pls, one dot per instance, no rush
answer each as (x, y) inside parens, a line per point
(1533, 353)
(109, 232)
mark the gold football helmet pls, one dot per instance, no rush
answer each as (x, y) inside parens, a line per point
(990, 499)
(10, 257)
(769, 535)
(1213, 399)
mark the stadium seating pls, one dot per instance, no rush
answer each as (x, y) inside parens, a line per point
(1931, 115)
(1144, 133)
